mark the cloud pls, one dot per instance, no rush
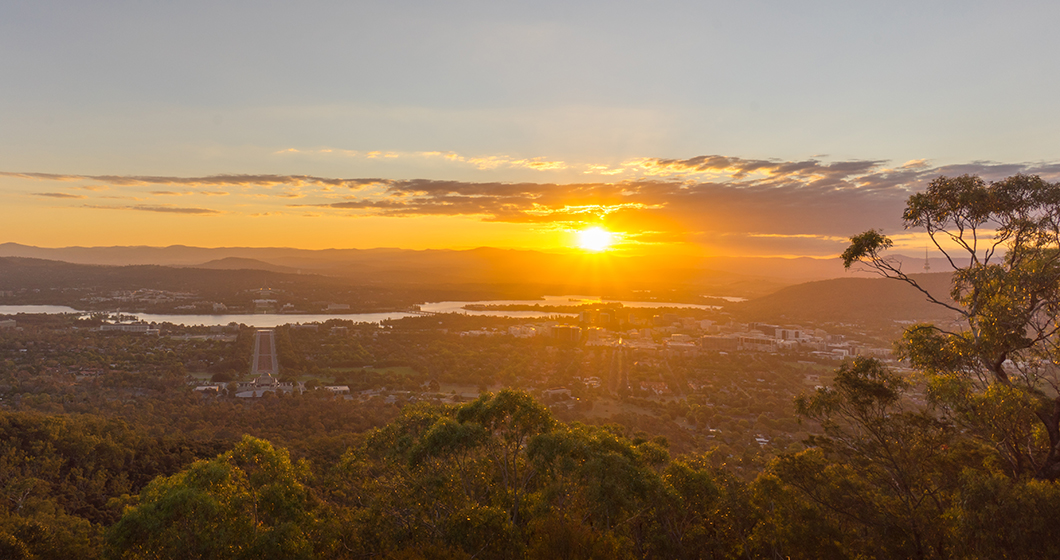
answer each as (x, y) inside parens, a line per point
(41, 176)
(494, 162)
(188, 193)
(527, 201)
(808, 203)
(805, 203)
(209, 180)
(809, 171)
(478, 162)
(174, 209)
(162, 209)
(59, 195)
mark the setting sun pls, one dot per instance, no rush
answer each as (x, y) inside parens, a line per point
(595, 239)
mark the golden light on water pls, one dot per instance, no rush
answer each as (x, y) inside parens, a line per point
(595, 239)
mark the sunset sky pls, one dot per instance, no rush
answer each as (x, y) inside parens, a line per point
(699, 128)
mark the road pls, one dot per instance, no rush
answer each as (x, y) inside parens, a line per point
(265, 362)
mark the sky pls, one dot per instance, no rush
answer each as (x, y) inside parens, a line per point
(769, 128)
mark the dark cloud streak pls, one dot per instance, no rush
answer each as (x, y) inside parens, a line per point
(59, 195)
(162, 209)
(211, 180)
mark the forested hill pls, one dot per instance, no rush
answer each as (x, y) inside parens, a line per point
(37, 281)
(237, 263)
(17, 273)
(851, 300)
(50, 276)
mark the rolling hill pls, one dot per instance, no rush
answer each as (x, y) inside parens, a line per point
(869, 301)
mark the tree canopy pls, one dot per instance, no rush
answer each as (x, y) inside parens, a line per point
(996, 375)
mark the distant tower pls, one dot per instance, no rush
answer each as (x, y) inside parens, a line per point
(927, 263)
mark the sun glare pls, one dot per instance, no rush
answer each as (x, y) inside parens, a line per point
(595, 239)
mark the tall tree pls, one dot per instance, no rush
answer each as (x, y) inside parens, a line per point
(997, 374)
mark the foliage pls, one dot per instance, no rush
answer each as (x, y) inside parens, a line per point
(500, 478)
(1002, 240)
(998, 517)
(883, 473)
(250, 502)
(64, 478)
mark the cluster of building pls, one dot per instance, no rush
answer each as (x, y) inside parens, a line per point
(267, 384)
(761, 337)
(671, 333)
(140, 327)
(143, 296)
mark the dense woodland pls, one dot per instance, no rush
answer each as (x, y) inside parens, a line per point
(500, 477)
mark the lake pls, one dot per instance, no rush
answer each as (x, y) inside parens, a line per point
(275, 320)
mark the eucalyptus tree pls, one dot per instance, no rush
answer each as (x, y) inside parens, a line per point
(996, 373)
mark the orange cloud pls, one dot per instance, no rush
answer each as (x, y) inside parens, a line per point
(706, 199)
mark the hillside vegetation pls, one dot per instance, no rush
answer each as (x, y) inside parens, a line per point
(864, 301)
(501, 478)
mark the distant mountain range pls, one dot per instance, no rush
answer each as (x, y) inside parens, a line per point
(240, 263)
(576, 273)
